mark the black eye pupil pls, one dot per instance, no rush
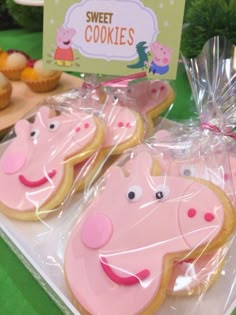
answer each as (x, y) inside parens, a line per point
(131, 195)
(52, 126)
(187, 172)
(159, 195)
(33, 133)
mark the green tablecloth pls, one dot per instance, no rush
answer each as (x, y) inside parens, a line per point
(20, 294)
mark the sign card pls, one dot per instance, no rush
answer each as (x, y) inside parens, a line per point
(113, 37)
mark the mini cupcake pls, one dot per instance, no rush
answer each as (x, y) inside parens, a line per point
(38, 78)
(5, 91)
(12, 64)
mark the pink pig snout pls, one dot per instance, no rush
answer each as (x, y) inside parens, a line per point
(13, 162)
(96, 231)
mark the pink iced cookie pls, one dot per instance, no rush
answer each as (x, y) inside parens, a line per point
(150, 98)
(194, 277)
(36, 169)
(124, 129)
(120, 255)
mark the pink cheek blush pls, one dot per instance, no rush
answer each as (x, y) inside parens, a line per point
(13, 162)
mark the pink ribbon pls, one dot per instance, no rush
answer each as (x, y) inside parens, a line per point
(211, 127)
(116, 82)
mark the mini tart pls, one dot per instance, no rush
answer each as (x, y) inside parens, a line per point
(40, 80)
(11, 65)
(5, 91)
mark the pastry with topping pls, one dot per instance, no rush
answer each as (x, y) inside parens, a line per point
(5, 91)
(38, 78)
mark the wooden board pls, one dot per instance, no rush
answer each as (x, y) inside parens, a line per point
(23, 100)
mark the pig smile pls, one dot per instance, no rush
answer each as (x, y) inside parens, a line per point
(66, 43)
(130, 280)
(36, 183)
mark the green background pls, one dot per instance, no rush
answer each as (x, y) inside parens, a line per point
(169, 36)
(20, 294)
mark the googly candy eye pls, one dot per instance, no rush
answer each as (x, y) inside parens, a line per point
(161, 192)
(187, 170)
(54, 125)
(134, 193)
(34, 134)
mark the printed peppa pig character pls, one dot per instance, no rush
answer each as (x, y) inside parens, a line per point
(120, 254)
(161, 58)
(64, 53)
(37, 168)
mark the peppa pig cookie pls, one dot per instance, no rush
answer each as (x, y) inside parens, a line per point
(195, 276)
(120, 255)
(150, 98)
(37, 167)
(124, 129)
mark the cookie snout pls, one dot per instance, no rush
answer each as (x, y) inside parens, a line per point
(96, 231)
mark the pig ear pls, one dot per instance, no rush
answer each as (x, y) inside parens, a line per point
(143, 163)
(114, 176)
(60, 29)
(22, 127)
(43, 114)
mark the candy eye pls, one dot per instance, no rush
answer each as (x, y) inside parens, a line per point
(114, 98)
(34, 134)
(54, 125)
(161, 192)
(134, 193)
(187, 170)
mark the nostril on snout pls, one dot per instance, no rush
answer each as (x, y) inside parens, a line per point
(192, 212)
(96, 231)
(209, 217)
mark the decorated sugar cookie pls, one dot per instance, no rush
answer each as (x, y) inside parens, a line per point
(37, 167)
(120, 255)
(195, 276)
(150, 98)
(124, 129)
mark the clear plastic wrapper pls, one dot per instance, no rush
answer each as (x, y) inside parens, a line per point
(155, 234)
(127, 121)
(130, 221)
(38, 162)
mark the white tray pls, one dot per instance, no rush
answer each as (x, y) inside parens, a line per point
(41, 246)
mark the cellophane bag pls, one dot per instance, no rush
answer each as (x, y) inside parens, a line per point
(156, 233)
(46, 161)
(127, 206)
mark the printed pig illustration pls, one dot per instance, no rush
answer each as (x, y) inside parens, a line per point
(36, 169)
(64, 53)
(161, 58)
(120, 255)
